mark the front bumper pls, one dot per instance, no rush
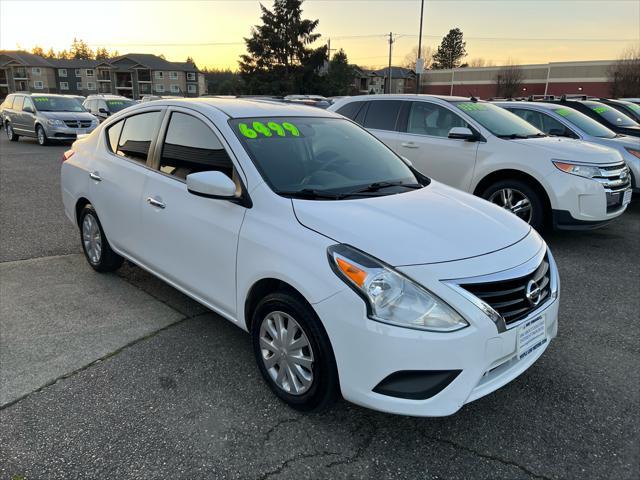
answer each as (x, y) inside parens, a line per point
(66, 133)
(368, 352)
(579, 202)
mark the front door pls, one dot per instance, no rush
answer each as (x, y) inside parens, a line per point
(425, 142)
(192, 240)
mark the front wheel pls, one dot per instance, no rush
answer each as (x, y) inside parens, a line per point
(520, 199)
(95, 245)
(41, 135)
(11, 134)
(293, 352)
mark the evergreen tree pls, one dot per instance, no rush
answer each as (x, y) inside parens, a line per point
(37, 50)
(80, 50)
(102, 54)
(451, 50)
(278, 58)
(50, 53)
(340, 75)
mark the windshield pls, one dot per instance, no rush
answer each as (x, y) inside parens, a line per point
(117, 105)
(57, 104)
(322, 158)
(611, 115)
(586, 124)
(499, 121)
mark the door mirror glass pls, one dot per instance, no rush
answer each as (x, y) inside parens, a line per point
(212, 184)
(104, 111)
(461, 133)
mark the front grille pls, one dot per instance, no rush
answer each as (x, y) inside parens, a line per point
(615, 179)
(78, 123)
(509, 297)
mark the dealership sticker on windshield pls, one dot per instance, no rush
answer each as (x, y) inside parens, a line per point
(600, 110)
(471, 107)
(40, 99)
(115, 102)
(565, 112)
(270, 129)
(531, 336)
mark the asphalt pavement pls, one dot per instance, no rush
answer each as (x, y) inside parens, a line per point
(121, 376)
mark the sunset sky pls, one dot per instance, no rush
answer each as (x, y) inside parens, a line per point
(211, 31)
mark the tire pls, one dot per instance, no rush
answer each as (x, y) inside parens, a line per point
(323, 389)
(41, 136)
(102, 258)
(519, 189)
(11, 135)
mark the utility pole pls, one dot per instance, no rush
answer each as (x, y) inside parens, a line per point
(419, 49)
(389, 76)
(329, 50)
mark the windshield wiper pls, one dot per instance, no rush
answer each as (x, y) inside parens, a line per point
(374, 187)
(310, 194)
(537, 135)
(513, 136)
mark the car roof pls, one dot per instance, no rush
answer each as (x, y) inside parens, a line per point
(247, 108)
(544, 105)
(406, 96)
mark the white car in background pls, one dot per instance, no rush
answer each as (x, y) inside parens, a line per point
(563, 121)
(300, 227)
(483, 149)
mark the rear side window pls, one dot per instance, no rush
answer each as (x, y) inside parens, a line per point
(113, 135)
(190, 146)
(8, 102)
(350, 110)
(137, 134)
(17, 104)
(382, 114)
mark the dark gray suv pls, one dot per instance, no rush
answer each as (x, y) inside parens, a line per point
(46, 117)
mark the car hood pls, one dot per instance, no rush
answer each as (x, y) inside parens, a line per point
(627, 141)
(67, 115)
(572, 150)
(432, 225)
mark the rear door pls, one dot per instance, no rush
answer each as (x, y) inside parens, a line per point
(424, 141)
(118, 176)
(192, 240)
(15, 115)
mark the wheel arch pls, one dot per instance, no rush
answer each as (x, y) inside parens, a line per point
(80, 204)
(508, 174)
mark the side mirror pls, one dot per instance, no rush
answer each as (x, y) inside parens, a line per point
(407, 161)
(211, 184)
(103, 110)
(461, 133)
(27, 109)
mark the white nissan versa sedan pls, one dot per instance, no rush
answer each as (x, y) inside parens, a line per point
(353, 273)
(483, 149)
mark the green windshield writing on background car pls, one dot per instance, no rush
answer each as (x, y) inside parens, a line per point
(586, 124)
(611, 115)
(57, 104)
(117, 105)
(328, 158)
(499, 121)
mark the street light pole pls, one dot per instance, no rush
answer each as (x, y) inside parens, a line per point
(419, 48)
(389, 76)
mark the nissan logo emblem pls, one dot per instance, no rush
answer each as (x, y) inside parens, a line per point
(533, 293)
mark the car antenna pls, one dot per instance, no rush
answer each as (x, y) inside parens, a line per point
(471, 97)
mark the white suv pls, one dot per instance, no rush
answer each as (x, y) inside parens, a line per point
(353, 272)
(483, 149)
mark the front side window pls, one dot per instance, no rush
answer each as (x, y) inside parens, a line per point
(434, 120)
(321, 157)
(190, 146)
(543, 122)
(498, 121)
(28, 104)
(137, 134)
(382, 114)
(57, 104)
(611, 115)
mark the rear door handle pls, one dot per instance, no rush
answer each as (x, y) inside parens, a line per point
(409, 145)
(95, 176)
(155, 203)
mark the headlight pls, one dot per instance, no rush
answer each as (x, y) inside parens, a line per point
(586, 171)
(390, 296)
(55, 123)
(633, 151)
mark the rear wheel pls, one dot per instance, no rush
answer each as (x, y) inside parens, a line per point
(41, 135)
(11, 135)
(519, 198)
(95, 245)
(293, 352)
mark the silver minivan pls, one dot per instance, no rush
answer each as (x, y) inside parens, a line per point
(46, 117)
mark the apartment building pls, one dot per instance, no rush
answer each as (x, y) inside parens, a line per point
(132, 75)
(377, 81)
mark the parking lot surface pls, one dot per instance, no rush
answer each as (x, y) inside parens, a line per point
(121, 376)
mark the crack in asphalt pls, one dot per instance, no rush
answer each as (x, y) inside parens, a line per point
(285, 421)
(488, 457)
(276, 471)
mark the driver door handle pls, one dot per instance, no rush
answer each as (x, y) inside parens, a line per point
(155, 203)
(409, 145)
(95, 176)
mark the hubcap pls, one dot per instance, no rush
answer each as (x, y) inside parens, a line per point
(40, 136)
(9, 131)
(286, 353)
(513, 200)
(91, 238)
